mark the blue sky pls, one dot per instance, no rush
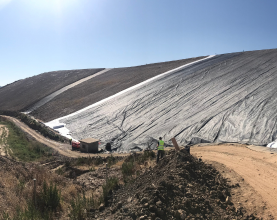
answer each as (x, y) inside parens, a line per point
(38, 36)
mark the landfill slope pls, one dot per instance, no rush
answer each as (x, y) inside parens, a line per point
(103, 86)
(21, 94)
(62, 90)
(227, 98)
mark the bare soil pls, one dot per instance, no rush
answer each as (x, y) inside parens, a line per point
(255, 172)
(179, 187)
(21, 94)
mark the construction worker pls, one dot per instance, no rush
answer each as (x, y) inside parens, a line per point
(160, 149)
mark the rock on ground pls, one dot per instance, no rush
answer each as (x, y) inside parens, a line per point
(179, 187)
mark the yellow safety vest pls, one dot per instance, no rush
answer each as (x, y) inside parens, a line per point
(161, 145)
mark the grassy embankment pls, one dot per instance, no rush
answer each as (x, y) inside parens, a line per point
(35, 125)
(21, 147)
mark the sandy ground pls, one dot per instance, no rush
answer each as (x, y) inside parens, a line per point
(253, 168)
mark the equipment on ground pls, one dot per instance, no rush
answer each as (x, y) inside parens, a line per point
(75, 145)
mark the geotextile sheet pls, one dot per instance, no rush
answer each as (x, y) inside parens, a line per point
(225, 98)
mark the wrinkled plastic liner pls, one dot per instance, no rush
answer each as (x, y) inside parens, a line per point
(226, 98)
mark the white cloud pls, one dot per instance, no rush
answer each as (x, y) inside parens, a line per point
(3, 3)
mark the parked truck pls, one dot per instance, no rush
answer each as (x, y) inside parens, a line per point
(75, 145)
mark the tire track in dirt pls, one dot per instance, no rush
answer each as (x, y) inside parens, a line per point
(257, 169)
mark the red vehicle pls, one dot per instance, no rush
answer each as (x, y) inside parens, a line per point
(75, 145)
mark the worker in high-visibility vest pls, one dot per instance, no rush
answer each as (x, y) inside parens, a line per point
(160, 149)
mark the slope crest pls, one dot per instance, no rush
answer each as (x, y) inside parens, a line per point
(19, 95)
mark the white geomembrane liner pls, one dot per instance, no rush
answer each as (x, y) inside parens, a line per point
(66, 132)
(226, 98)
(272, 144)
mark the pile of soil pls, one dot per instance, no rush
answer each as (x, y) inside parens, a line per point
(179, 187)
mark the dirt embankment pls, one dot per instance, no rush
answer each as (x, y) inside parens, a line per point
(255, 172)
(21, 94)
(179, 187)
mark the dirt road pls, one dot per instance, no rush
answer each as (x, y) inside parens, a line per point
(254, 170)
(63, 149)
